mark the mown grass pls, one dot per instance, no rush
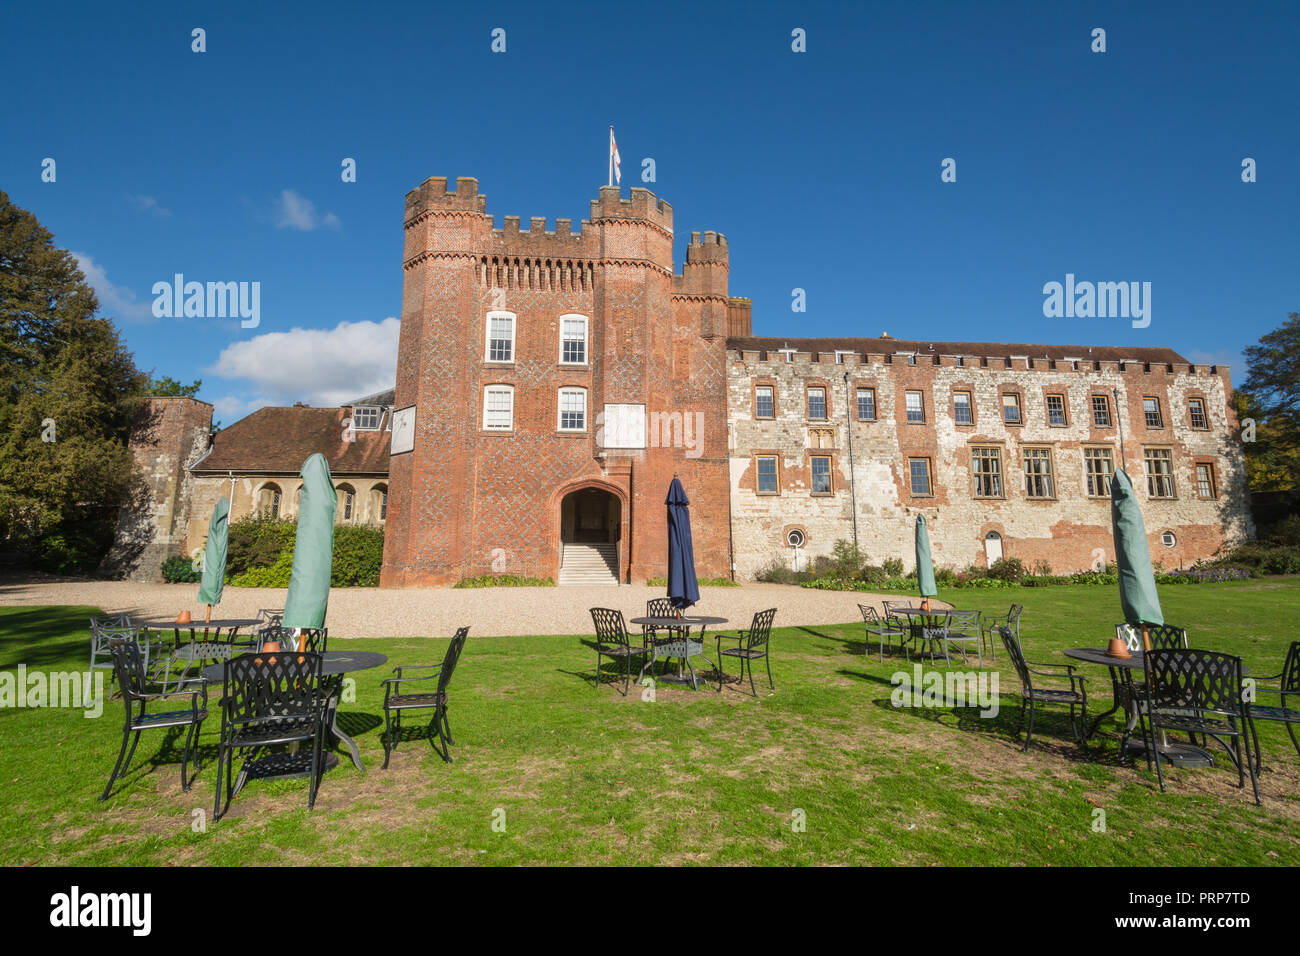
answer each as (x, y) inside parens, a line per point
(581, 775)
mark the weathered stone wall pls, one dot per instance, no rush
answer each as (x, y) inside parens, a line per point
(1067, 531)
(169, 434)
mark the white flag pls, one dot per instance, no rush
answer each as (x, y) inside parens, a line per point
(615, 172)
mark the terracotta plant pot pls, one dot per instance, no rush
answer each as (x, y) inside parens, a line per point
(184, 618)
(925, 604)
(1117, 648)
(270, 647)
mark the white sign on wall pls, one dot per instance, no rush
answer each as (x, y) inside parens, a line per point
(403, 430)
(621, 426)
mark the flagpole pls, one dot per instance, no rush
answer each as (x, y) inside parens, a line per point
(611, 156)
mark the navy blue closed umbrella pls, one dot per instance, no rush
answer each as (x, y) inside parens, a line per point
(683, 588)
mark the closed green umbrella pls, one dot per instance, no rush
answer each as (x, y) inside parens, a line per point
(1137, 581)
(924, 563)
(213, 580)
(313, 549)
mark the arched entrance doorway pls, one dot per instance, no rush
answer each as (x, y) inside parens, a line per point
(590, 528)
(590, 516)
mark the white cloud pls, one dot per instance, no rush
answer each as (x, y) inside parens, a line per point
(149, 204)
(298, 212)
(322, 367)
(117, 301)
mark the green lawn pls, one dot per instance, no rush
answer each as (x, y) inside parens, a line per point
(586, 776)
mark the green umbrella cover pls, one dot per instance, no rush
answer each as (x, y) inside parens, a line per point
(313, 550)
(213, 580)
(924, 563)
(1137, 581)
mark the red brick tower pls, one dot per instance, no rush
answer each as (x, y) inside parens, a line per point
(472, 499)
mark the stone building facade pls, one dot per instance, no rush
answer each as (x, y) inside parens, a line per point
(1006, 449)
(553, 381)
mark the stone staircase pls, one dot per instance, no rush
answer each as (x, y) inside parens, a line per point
(589, 564)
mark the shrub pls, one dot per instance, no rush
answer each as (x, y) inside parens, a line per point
(893, 567)
(358, 556)
(1010, 570)
(847, 559)
(778, 572)
(73, 548)
(179, 570)
(1262, 557)
(257, 541)
(504, 581)
(275, 576)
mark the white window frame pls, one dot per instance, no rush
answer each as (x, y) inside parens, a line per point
(487, 336)
(507, 389)
(586, 338)
(377, 410)
(559, 409)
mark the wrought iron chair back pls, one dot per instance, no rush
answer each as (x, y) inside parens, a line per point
(1017, 655)
(660, 607)
(451, 658)
(276, 684)
(893, 607)
(273, 632)
(610, 627)
(1166, 637)
(760, 630)
(869, 613)
(1289, 678)
(129, 667)
(313, 639)
(964, 622)
(1194, 679)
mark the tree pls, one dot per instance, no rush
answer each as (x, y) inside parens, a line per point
(168, 387)
(1272, 399)
(69, 392)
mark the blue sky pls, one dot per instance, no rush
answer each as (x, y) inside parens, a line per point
(822, 168)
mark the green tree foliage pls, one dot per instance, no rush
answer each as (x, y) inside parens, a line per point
(69, 391)
(1271, 397)
(168, 387)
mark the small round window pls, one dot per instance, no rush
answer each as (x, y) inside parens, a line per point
(794, 538)
(1168, 539)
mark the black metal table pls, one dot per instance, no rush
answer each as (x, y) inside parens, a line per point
(680, 647)
(922, 623)
(334, 664)
(1174, 752)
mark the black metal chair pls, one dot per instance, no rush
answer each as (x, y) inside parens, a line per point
(271, 699)
(1161, 637)
(314, 640)
(658, 607)
(1031, 696)
(1288, 686)
(884, 629)
(1199, 692)
(612, 641)
(752, 644)
(395, 703)
(990, 623)
(129, 666)
(963, 627)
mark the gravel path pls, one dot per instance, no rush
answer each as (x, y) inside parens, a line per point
(437, 612)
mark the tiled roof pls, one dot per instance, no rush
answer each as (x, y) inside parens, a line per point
(879, 346)
(277, 440)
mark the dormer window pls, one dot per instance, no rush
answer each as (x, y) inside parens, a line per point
(365, 418)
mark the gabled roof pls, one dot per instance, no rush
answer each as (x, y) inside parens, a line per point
(384, 398)
(879, 346)
(277, 440)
